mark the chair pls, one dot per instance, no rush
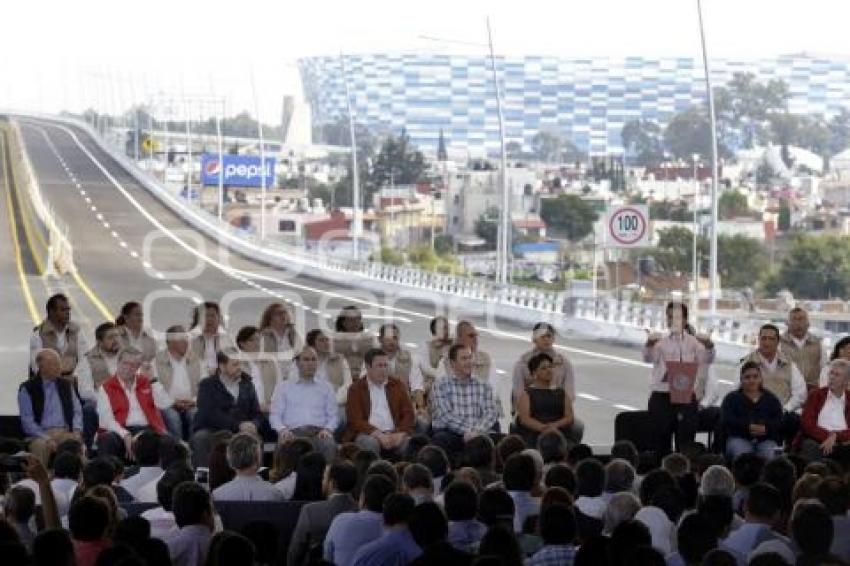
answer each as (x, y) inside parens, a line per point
(635, 426)
(255, 519)
(10, 427)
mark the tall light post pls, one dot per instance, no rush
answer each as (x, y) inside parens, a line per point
(714, 170)
(695, 296)
(356, 219)
(262, 159)
(506, 197)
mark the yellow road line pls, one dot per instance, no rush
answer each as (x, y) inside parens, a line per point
(104, 310)
(39, 262)
(13, 228)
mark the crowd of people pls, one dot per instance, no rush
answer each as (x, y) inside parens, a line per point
(135, 448)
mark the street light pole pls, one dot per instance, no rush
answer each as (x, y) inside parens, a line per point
(714, 170)
(356, 221)
(504, 243)
(695, 296)
(262, 160)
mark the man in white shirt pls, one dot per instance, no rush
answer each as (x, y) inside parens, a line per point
(146, 450)
(781, 377)
(178, 369)
(408, 368)
(306, 407)
(826, 418)
(379, 411)
(59, 333)
(678, 345)
(127, 404)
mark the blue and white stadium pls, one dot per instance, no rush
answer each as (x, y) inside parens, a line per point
(586, 100)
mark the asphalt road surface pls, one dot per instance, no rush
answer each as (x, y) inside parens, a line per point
(128, 246)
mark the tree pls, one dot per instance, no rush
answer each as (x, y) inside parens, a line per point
(546, 145)
(443, 244)
(643, 143)
(398, 161)
(741, 261)
(670, 210)
(732, 204)
(839, 130)
(815, 267)
(514, 150)
(487, 227)
(689, 132)
(568, 215)
(674, 251)
(784, 219)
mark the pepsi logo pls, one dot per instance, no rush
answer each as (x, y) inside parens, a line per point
(212, 167)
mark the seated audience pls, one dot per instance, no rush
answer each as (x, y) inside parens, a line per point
(244, 454)
(558, 530)
(751, 417)
(541, 407)
(379, 413)
(306, 407)
(825, 424)
(193, 513)
(349, 531)
(178, 369)
(396, 545)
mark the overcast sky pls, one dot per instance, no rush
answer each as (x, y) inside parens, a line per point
(104, 52)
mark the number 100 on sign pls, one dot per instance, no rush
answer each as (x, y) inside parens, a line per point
(628, 226)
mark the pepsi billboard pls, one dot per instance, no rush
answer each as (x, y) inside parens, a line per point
(238, 170)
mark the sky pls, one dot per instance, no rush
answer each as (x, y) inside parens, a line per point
(71, 55)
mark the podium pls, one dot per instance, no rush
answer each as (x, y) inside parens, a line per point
(681, 376)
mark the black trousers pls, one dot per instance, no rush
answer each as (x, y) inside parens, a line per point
(669, 420)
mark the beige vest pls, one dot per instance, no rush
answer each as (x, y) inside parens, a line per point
(268, 373)
(165, 372)
(807, 358)
(291, 342)
(481, 364)
(99, 368)
(778, 381)
(50, 339)
(148, 344)
(353, 346)
(335, 369)
(403, 365)
(437, 349)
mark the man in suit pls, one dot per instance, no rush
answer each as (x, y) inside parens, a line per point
(226, 401)
(315, 518)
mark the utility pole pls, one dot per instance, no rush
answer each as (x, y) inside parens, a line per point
(356, 220)
(714, 169)
(504, 241)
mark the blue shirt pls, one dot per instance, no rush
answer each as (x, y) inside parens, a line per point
(466, 535)
(748, 536)
(395, 548)
(303, 402)
(553, 555)
(52, 416)
(350, 531)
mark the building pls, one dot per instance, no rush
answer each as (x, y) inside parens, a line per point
(585, 100)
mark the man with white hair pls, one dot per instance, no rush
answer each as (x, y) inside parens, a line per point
(825, 424)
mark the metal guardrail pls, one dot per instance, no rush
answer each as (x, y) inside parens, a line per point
(60, 251)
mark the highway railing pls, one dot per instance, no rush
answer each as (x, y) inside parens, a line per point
(60, 251)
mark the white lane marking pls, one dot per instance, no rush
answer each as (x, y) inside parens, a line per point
(114, 234)
(123, 244)
(588, 397)
(501, 372)
(624, 407)
(134, 254)
(230, 271)
(725, 382)
(411, 345)
(159, 275)
(176, 287)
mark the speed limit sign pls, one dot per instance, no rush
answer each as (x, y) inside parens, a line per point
(628, 226)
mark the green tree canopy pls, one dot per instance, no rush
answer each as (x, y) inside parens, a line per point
(732, 204)
(643, 142)
(568, 215)
(815, 267)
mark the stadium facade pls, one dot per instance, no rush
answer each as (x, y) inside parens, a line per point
(585, 100)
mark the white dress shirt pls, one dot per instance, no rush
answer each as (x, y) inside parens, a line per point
(181, 386)
(145, 475)
(678, 347)
(257, 379)
(135, 415)
(799, 391)
(294, 374)
(416, 380)
(831, 416)
(379, 414)
(301, 402)
(85, 381)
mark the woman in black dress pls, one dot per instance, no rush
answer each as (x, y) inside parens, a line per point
(540, 407)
